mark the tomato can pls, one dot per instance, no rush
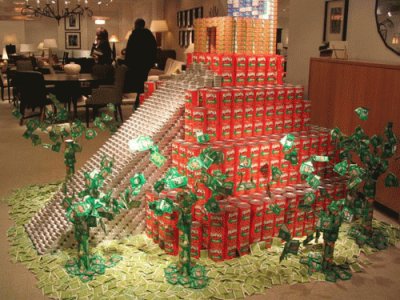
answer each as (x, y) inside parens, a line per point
(299, 92)
(270, 95)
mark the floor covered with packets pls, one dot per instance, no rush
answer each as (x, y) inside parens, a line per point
(140, 273)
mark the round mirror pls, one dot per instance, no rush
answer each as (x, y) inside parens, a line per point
(387, 14)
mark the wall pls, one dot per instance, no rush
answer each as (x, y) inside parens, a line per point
(363, 39)
(14, 28)
(173, 6)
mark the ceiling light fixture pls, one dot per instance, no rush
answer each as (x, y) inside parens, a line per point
(59, 9)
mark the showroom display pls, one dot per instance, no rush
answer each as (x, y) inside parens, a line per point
(221, 167)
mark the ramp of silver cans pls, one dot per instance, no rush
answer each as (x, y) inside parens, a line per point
(161, 118)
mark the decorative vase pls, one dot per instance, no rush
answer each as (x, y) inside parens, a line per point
(72, 68)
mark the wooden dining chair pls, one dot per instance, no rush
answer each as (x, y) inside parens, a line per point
(31, 93)
(24, 65)
(106, 94)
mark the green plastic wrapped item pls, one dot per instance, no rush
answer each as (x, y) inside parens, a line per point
(292, 157)
(341, 168)
(362, 113)
(194, 164)
(162, 206)
(275, 209)
(284, 233)
(313, 181)
(287, 142)
(391, 180)
(244, 162)
(159, 186)
(307, 168)
(16, 113)
(137, 182)
(313, 261)
(353, 183)
(212, 206)
(348, 214)
(99, 124)
(176, 182)
(276, 173)
(309, 198)
(36, 140)
(336, 134)
(320, 158)
(158, 159)
(141, 143)
(202, 138)
(356, 171)
(90, 134)
(56, 147)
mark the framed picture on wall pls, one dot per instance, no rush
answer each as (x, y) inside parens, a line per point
(72, 40)
(335, 21)
(73, 22)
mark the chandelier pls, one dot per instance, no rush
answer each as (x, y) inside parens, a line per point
(55, 10)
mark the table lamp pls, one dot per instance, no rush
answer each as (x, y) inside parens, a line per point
(4, 55)
(114, 39)
(158, 27)
(27, 48)
(50, 44)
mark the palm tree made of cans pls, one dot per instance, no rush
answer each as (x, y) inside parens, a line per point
(363, 160)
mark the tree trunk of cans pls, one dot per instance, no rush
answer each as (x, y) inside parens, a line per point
(327, 258)
(69, 158)
(184, 265)
(368, 209)
(83, 249)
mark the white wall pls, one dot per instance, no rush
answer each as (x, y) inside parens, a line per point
(12, 28)
(306, 28)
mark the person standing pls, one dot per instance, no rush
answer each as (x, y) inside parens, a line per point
(102, 52)
(140, 57)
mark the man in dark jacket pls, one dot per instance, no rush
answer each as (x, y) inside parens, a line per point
(140, 57)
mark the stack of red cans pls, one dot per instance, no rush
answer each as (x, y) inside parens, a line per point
(232, 113)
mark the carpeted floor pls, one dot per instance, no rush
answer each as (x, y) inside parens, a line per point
(22, 164)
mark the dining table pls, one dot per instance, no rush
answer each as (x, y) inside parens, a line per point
(69, 88)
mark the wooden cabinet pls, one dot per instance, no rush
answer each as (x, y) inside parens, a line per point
(337, 87)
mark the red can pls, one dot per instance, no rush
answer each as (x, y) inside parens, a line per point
(289, 93)
(211, 98)
(251, 78)
(251, 63)
(226, 98)
(241, 78)
(280, 93)
(191, 98)
(270, 94)
(238, 97)
(299, 92)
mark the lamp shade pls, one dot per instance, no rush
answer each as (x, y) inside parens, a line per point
(41, 46)
(50, 43)
(10, 39)
(159, 26)
(113, 39)
(24, 48)
(5, 55)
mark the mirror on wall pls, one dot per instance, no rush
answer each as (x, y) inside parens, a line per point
(387, 14)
